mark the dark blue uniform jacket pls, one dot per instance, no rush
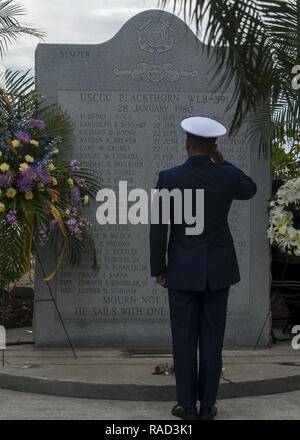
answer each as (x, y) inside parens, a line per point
(195, 262)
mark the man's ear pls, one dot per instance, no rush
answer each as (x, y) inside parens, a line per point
(187, 144)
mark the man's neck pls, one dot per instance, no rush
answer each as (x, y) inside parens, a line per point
(199, 154)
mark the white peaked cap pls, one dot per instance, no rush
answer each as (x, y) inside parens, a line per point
(203, 127)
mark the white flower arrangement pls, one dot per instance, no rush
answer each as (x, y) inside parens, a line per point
(282, 232)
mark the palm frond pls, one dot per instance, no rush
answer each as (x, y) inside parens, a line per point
(12, 261)
(76, 250)
(16, 83)
(58, 122)
(256, 43)
(10, 28)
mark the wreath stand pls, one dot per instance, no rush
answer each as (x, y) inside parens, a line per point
(55, 305)
(3, 324)
(270, 310)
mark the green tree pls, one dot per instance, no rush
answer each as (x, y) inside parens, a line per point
(257, 45)
(286, 159)
(10, 28)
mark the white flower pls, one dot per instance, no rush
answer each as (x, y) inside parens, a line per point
(297, 184)
(281, 229)
(297, 252)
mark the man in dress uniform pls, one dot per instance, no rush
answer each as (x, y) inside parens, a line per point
(200, 268)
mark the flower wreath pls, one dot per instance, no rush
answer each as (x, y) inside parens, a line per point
(282, 231)
(41, 195)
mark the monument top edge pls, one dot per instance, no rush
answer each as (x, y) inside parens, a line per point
(135, 21)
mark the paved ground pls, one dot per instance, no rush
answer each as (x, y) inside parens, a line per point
(127, 375)
(117, 368)
(15, 405)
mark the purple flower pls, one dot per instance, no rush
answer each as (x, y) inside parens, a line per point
(73, 211)
(74, 165)
(27, 180)
(43, 234)
(37, 123)
(11, 216)
(23, 137)
(81, 182)
(75, 196)
(44, 177)
(54, 225)
(6, 179)
(84, 223)
(72, 226)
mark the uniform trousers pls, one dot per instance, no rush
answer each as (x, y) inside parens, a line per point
(198, 321)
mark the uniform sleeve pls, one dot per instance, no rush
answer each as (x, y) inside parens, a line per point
(244, 188)
(158, 241)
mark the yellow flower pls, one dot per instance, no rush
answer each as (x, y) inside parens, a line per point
(23, 166)
(15, 143)
(4, 167)
(70, 183)
(35, 143)
(40, 186)
(11, 192)
(51, 167)
(56, 151)
(86, 200)
(2, 207)
(29, 158)
(54, 181)
(29, 195)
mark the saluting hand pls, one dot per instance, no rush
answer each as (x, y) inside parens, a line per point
(218, 157)
(161, 279)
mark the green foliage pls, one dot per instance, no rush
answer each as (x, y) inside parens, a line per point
(257, 43)
(286, 159)
(12, 262)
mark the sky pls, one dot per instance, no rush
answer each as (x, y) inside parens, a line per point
(71, 21)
